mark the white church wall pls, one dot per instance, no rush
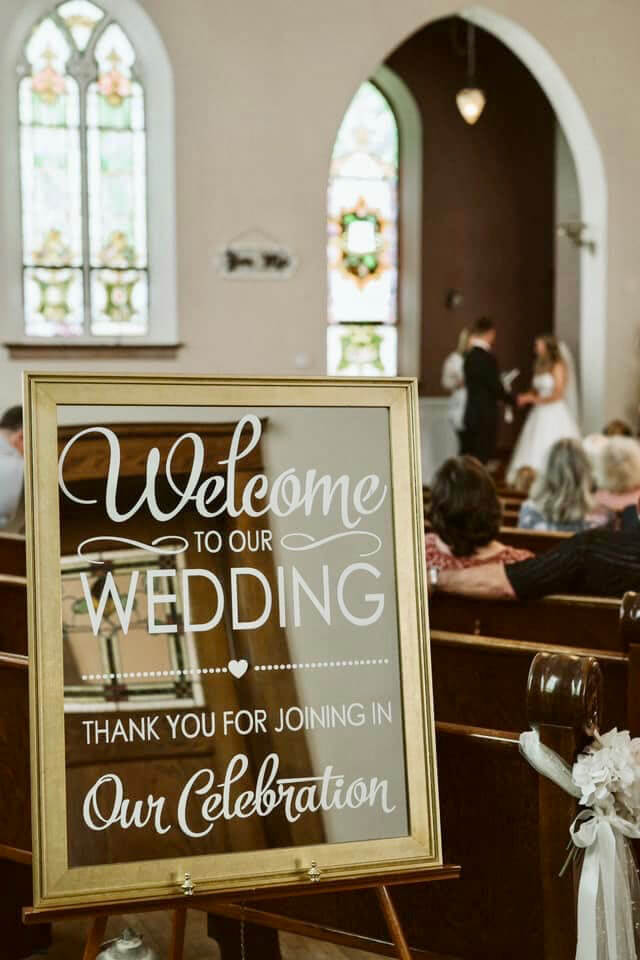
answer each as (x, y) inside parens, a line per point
(259, 93)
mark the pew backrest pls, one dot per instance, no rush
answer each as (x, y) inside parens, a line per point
(15, 804)
(537, 541)
(13, 554)
(572, 621)
(478, 680)
(13, 621)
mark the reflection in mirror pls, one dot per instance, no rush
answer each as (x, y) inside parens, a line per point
(110, 659)
(230, 632)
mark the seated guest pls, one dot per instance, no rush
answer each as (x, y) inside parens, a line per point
(561, 499)
(593, 445)
(524, 479)
(617, 428)
(617, 473)
(602, 563)
(465, 516)
(11, 471)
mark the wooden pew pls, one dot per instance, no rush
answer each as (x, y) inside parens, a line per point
(537, 541)
(478, 680)
(13, 558)
(512, 502)
(630, 637)
(510, 493)
(510, 519)
(13, 620)
(505, 827)
(572, 621)
(15, 813)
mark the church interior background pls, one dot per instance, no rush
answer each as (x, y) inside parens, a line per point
(294, 189)
(178, 144)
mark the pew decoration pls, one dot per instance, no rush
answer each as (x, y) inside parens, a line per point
(605, 779)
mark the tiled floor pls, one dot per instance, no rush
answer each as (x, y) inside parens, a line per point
(69, 940)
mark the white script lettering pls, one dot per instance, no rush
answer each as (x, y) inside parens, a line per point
(287, 493)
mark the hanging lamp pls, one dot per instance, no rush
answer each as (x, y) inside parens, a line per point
(471, 99)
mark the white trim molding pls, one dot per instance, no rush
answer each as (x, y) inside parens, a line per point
(592, 182)
(409, 121)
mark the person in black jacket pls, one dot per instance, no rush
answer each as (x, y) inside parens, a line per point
(484, 393)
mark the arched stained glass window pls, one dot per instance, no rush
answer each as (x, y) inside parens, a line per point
(363, 239)
(83, 178)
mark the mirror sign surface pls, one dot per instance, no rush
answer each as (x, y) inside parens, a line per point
(230, 670)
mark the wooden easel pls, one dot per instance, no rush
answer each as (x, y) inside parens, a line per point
(238, 906)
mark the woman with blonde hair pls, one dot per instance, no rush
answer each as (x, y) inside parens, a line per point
(561, 498)
(617, 472)
(550, 418)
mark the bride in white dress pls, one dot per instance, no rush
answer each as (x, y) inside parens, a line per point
(552, 398)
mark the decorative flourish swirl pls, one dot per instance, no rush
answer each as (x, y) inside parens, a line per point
(149, 547)
(311, 542)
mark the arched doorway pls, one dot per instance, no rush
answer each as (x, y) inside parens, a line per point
(592, 184)
(578, 141)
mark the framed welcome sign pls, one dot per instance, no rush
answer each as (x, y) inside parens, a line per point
(228, 638)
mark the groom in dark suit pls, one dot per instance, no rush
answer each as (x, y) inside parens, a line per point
(484, 393)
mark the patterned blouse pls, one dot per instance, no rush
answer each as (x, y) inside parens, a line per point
(436, 557)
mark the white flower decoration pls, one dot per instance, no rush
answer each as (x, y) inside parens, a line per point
(608, 774)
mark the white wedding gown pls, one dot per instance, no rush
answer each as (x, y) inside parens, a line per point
(545, 424)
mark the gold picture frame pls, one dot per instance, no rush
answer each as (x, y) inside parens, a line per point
(56, 885)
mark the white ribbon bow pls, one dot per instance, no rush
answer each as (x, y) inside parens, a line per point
(606, 923)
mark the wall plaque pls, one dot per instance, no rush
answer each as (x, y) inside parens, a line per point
(230, 668)
(255, 255)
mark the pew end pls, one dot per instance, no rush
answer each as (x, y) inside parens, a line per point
(13, 554)
(629, 628)
(565, 691)
(564, 703)
(15, 813)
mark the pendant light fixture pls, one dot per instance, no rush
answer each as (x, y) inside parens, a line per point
(471, 99)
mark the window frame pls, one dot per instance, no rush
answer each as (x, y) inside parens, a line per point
(344, 329)
(408, 119)
(120, 692)
(153, 71)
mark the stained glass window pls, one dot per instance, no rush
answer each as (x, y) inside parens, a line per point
(83, 178)
(362, 247)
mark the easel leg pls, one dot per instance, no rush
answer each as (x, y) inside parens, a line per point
(178, 924)
(393, 922)
(95, 937)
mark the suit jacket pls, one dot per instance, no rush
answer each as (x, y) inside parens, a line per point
(484, 393)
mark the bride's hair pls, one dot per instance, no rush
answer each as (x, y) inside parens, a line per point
(562, 493)
(552, 353)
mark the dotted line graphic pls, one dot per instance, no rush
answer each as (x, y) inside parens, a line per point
(312, 665)
(322, 664)
(153, 673)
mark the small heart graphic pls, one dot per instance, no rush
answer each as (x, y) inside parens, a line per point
(238, 668)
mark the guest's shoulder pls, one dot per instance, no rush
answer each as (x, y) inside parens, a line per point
(436, 557)
(505, 555)
(510, 555)
(432, 549)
